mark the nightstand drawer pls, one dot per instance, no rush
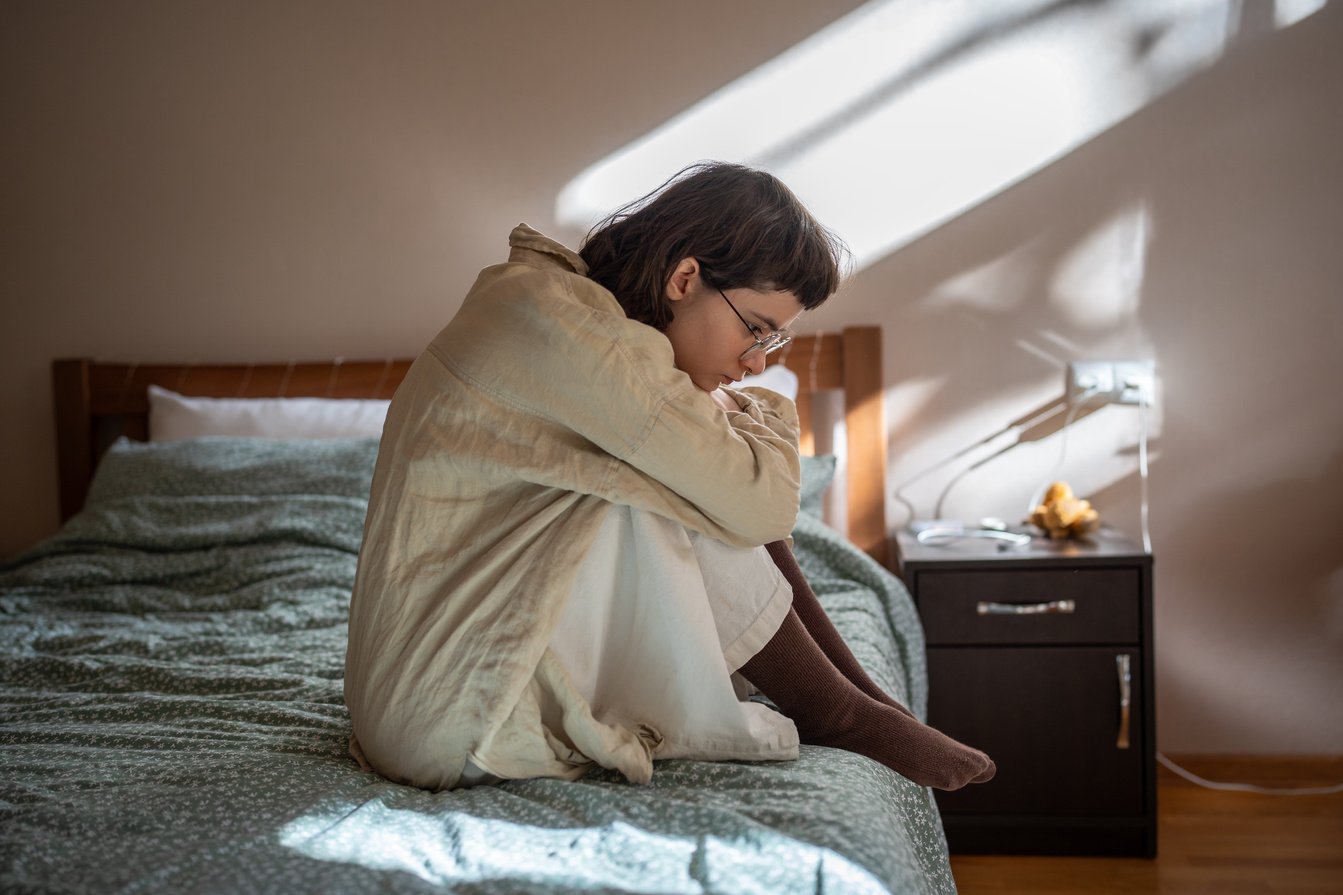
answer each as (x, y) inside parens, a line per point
(1030, 606)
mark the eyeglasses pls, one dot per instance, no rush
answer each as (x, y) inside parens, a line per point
(771, 342)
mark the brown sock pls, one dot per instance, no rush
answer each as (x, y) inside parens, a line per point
(830, 711)
(822, 630)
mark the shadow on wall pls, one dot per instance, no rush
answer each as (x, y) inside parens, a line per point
(1234, 177)
(980, 309)
(979, 343)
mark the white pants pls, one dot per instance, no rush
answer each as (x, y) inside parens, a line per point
(658, 621)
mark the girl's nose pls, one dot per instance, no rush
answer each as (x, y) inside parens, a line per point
(755, 362)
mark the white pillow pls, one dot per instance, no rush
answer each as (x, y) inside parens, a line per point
(173, 417)
(776, 378)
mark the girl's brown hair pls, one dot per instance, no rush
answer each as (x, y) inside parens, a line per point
(744, 226)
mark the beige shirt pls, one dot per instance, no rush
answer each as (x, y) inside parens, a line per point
(536, 407)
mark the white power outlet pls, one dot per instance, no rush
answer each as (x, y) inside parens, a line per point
(1092, 381)
(1110, 382)
(1135, 381)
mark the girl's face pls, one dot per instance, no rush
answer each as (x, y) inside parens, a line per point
(708, 339)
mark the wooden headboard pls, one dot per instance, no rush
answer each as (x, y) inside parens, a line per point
(96, 403)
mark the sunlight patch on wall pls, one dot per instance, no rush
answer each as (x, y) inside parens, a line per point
(994, 287)
(905, 113)
(1288, 12)
(1098, 284)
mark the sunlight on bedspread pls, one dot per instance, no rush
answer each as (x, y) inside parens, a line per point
(617, 855)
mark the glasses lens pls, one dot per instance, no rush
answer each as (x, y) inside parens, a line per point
(768, 346)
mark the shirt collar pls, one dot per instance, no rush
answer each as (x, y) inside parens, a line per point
(529, 246)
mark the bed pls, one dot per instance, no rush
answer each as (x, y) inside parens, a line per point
(172, 716)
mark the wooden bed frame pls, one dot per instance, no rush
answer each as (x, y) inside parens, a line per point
(96, 403)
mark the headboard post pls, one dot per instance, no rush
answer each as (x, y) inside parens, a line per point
(74, 455)
(865, 419)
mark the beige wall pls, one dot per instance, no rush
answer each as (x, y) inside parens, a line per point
(218, 181)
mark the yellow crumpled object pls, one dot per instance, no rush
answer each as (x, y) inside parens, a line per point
(1062, 515)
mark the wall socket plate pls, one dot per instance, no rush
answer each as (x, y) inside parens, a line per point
(1110, 382)
(1135, 382)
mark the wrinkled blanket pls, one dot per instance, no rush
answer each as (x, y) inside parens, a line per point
(171, 719)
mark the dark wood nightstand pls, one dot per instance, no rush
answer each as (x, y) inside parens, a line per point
(1042, 657)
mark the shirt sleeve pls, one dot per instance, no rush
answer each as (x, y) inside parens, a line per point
(613, 383)
(741, 469)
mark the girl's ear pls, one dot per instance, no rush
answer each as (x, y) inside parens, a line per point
(682, 279)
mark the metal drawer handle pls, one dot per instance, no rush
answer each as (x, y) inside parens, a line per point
(1054, 607)
(1125, 680)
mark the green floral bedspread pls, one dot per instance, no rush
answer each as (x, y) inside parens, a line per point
(171, 719)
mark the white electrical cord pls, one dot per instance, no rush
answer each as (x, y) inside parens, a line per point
(1015, 428)
(1143, 405)
(1142, 469)
(1147, 546)
(1081, 401)
(1249, 787)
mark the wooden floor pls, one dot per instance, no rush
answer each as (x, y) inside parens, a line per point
(1207, 841)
